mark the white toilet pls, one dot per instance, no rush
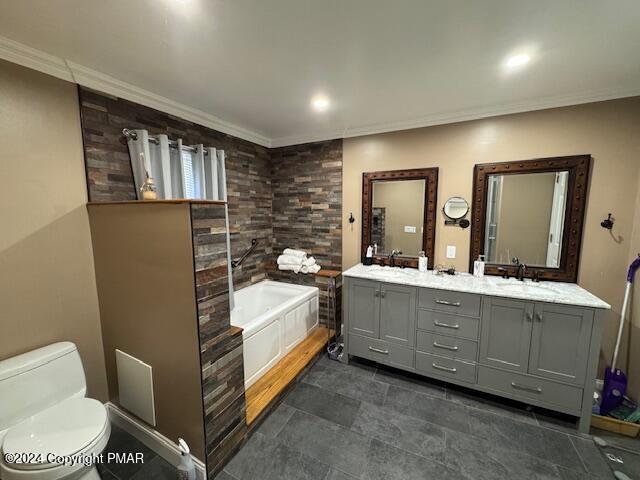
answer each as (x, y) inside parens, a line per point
(45, 417)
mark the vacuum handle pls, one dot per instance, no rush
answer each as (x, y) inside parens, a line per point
(633, 268)
(623, 316)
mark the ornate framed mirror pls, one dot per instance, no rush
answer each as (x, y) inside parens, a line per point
(399, 214)
(530, 213)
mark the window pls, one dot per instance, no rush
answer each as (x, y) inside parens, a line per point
(187, 172)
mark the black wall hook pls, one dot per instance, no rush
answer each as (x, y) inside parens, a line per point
(607, 222)
(351, 219)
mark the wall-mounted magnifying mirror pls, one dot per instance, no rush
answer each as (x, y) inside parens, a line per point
(455, 209)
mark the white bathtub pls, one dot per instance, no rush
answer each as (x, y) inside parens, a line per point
(275, 317)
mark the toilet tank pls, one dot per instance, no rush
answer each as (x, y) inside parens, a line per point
(36, 380)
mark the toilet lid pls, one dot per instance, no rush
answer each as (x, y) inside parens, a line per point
(62, 430)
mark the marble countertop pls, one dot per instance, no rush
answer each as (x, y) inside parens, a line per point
(550, 292)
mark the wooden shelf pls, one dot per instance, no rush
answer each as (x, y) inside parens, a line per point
(329, 273)
(160, 202)
(266, 390)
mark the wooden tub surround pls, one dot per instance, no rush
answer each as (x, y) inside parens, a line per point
(269, 389)
(267, 392)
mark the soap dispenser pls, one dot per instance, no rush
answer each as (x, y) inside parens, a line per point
(368, 259)
(423, 262)
(478, 267)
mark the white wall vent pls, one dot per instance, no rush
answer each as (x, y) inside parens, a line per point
(135, 384)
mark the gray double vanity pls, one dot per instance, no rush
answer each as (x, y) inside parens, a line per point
(533, 342)
(534, 338)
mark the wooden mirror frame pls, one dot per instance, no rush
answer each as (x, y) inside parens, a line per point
(578, 167)
(430, 176)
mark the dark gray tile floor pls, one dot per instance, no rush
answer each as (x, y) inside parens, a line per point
(154, 467)
(366, 422)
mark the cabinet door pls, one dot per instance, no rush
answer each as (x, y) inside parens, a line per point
(506, 333)
(398, 314)
(560, 342)
(364, 308)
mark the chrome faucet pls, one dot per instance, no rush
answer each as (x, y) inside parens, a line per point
(392, 257)
(521, 269)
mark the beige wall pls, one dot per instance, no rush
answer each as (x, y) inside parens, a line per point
(524, 217)
(606, 130)
(47, 283)
(403, 203)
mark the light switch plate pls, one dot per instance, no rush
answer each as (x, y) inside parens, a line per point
(409, 229)
(451, 251)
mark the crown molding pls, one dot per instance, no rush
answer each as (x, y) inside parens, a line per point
(72, 72)
(26, 56)
(461, 116)
(95, 80)
(21, 54)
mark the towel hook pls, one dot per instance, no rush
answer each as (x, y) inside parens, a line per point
(608, 222)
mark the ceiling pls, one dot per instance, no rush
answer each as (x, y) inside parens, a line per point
(251, 67)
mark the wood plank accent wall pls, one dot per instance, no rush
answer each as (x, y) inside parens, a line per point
(284, 197)
(109, 176)
(307, 201)
(307, 210)
(220, 344)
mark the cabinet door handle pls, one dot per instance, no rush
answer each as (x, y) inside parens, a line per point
(451, 304)
(376, 293)
(529, 316)
(446, 369)
(539, 316)
(446, 347)
(526, 388)
(445, 325)
(374, 349)
(383, 293)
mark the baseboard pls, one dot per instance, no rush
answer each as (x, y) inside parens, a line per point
(151, 438)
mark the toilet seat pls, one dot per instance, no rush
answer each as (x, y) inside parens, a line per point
(77, 426)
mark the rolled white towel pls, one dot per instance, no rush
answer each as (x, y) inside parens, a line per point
(315, 268)
(295, 253)
(309, 261)
(310, 269)
(290, 260)
(290, 268)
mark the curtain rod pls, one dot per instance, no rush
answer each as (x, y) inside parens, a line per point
(172, 143)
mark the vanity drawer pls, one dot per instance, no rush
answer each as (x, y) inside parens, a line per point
(566, 397)
(451, 302)
(451, 347)
(446, 367)
(380, 351)
(455, 325)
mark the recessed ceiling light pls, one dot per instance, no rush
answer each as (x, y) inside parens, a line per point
(320, 103)
(517, 60)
